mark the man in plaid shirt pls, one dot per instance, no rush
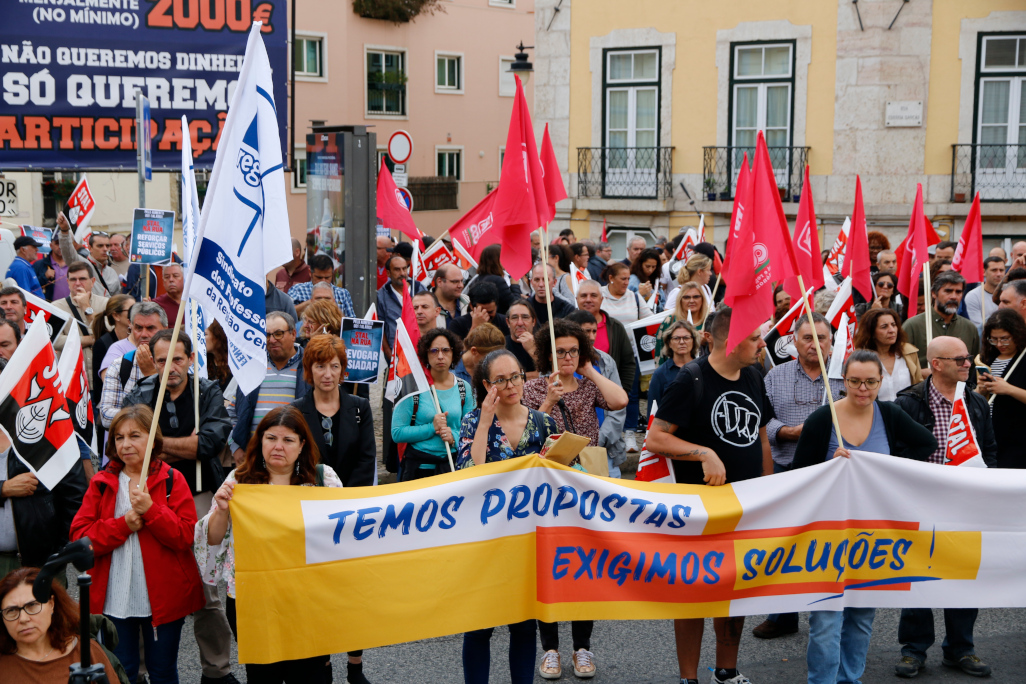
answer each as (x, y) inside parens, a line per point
(322, 270)
(930, 404)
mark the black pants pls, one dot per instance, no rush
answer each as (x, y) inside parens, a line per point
(316, 670)
(579, 629)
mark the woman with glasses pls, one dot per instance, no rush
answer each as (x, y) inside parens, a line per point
(573, 388)
(692, 307)
(415, 421)
(40, 642)
(880, 331)
(145, 577)
(1004, 340)
(109, 328)
(501, 428)
(521, 319)
(282, 452)
(839, 640)
(679, 346)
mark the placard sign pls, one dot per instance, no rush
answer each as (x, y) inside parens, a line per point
(153, 233)
(363, 349)
(903, 114)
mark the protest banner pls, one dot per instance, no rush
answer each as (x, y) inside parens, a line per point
(40, 235)
(153, 233)
(642, 335)
(81, 208)
(71, 71)
(363, 349)
(555, 544)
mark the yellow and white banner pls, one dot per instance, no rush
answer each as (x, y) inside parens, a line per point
(332, 570)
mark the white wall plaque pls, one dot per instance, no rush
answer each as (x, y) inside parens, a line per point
(904, 113)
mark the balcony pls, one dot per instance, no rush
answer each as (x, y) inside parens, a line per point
(434, 193)
(721, 165)
(625, 172)
(997, 172)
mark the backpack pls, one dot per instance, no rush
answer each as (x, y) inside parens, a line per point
(416, 401)
(127, 361)
(698, 387)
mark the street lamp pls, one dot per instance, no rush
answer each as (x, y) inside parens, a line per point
(520, 66)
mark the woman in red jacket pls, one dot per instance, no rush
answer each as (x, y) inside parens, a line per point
(145, 578)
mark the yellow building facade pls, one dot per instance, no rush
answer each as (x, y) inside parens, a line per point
(652, 103)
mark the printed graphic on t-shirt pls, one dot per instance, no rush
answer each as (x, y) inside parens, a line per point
(735, 418)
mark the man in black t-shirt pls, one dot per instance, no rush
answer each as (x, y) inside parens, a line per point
(714, 430)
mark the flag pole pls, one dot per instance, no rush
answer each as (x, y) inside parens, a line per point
(928, 313)
(438, 409)
(548, 290)
(196, 393)
(719, 277)
(822, 363)
(1007, 374)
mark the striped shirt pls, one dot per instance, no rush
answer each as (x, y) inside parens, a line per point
(112, 398)
(127, 575)
(302, 292)
(277, 389)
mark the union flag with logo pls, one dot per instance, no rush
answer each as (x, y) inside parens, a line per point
(54, 318)
(654, 467)
(962, 448)
(76, 388)
(642, 335)
(33, 409)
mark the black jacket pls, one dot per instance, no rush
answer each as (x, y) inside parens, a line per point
(353, 456)
(914, 402)
(908, 439)
(596, 266)
(46, 283)
(42, 521)
(214, 428)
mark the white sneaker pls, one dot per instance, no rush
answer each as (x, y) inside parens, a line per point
(631, 440)
(739, 679)
(584, 664)
(550, 667)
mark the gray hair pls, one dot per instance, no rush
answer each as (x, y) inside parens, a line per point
(323, 285)
(817, 318)
(148, 309)
(823, 300)
(946, 278)
(1018, 285)
(289, 321)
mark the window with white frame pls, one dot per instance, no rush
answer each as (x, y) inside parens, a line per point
(1002, 103)
(448, 73)
(308, 55)
(632, 122)
(386, 82)
(507, 84)
(762, 91)
(299, 177)
(449, 163)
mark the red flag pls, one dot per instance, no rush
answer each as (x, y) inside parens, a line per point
(653, 467)
(969, 254)
(962, 447)
(844, 303)
(912, 252)
(856, 259)
(80, 209)
(604, 238)
(749, 291)
(806, 245)
(836, 257)
(475, 230)
(408, 317)
(75, 381)
(768, 216)
(717, 263)
(744, 179)
(392, 210)
(554, 190)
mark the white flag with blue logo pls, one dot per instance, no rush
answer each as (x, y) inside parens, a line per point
(195, 325)
(244, 227)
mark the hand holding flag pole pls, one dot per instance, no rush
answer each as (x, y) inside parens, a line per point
(438, 409)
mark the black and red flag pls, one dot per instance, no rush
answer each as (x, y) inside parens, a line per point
(33, 410)
(76, 388)
(40, 308)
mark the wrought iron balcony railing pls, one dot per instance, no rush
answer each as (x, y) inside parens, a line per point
(997, 172)
(625, 172)
(722, 164)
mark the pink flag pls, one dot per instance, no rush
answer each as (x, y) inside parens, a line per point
(474, 231)
(969, 254)
(744, 179)
(554, 190)
(806, 245)
(768, 213)
(912, 252)
(856, 261)
(392, 210)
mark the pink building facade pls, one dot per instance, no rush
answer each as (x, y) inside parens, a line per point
(442, 78)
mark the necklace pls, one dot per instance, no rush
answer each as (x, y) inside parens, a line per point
(41, 659)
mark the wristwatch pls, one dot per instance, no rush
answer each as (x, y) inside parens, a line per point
(89, 311)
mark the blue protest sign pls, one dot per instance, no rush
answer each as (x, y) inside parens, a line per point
(363, 348)
(153, 233)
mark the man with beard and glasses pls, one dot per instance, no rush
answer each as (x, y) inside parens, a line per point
(945, 295)
(194, 449)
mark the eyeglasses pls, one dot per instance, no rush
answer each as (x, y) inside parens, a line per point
(329, 438)
(277, 334)
(885, 286)
(11, 613)
(855, 383)
(438, 351)
(125, 311)
(568, 353)
(512, 381)
(100, 233)
(173, 414)
(520, 317)
(1000, 341)
(678, 339)
(959, 360)
(692, 298)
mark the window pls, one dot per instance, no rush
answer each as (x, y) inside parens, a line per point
(1001, 116)
(502, 158)
(386, 82)
(507, 84)
(450, 163)
(299, 177)
(308, 54)
(619, 238)
(448, 73)
(631, 123)
(383, 157)
(762, 93)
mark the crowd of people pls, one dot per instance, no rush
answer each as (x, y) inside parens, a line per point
(502, 390)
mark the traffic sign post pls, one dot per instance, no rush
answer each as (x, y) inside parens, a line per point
(406, 197)
(400, 147)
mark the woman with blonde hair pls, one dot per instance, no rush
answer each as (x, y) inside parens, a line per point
(690, 300)
(321, 317)
(109, 328)
(482, 340)
(697, 269)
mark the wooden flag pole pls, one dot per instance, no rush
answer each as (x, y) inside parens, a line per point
(438, 409)
(719, 277)
(196, 394)
(160, 396)
(983, 305)
(1007, 374)
(929, 307)
(822, 363)
(146, 295)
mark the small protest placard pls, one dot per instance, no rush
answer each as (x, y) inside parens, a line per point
(153, 233)
(363, 349)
